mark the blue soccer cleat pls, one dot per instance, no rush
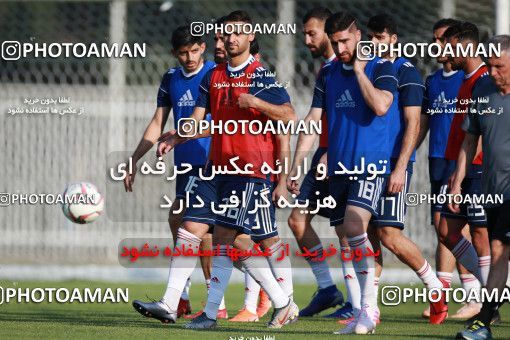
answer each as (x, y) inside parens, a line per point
(156, 309)
(343, 313)
(201, 322)
(323, 299)
(476, 331)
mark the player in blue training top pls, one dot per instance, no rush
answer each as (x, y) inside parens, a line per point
(178, 92)
(405, 126)
(327, 294)
(358, 97)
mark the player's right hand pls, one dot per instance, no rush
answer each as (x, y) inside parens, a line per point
(454, 189)
(292, 184)
(167, 142)
(129, 180)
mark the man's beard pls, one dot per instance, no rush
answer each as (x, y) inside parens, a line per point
(319, 52)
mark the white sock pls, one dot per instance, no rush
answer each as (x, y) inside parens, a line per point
(465, 253)
(282, 269)
(376, 287)
(181, 268)
(320, 268)
(365, 269)
(445, 276)
(351, 281)
(220, 276)
(251, 293)
(185, 292)
(429, 278)
(259, 270)
(484, 264)
(470, 282)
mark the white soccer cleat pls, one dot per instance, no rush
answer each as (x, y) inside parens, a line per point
(351, 325)
(366, 321)
(467, 311)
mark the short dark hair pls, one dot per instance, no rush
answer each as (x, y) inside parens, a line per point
(241, 16)
(463, 31)
(381, 22)
(339, 21)
(254, 47)
(220, 20)
(321, 13)
(445, 22)
(182, 36)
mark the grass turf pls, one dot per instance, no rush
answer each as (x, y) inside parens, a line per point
(117, 321)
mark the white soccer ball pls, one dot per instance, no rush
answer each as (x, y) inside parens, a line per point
(82, 203)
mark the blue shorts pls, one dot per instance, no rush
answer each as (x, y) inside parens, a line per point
(474, 214)
(440, 170)
(361, 193)
(312, 189)
(266, 221)
(200, 191)
(182, 181)
(258, 223)
(392, 208)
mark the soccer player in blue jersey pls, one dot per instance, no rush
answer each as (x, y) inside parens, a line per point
(358, 96)
(441, 89)
(327, 294)
(177, 93)
(404, 130)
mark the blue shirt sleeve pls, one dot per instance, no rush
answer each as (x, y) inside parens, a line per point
(319, 92)
(164, 99)
(269, 90)
(425, 104)
(410, 86)
(203, 96)
(479, 83)
(385, 77)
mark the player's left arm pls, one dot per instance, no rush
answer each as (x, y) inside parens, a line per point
(379, 94)
(284, 156)
(467, 153)
(284, 112)
(410, 96)
(425, 115)
(269, 98)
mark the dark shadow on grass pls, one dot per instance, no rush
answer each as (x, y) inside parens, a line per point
(83, 318)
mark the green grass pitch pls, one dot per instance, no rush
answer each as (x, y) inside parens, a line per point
(120, 321)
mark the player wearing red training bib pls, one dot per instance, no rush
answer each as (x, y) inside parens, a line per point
(228, 94)
(474, 256)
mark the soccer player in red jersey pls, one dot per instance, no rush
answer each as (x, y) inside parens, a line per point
(474, 256)
(233, 227)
